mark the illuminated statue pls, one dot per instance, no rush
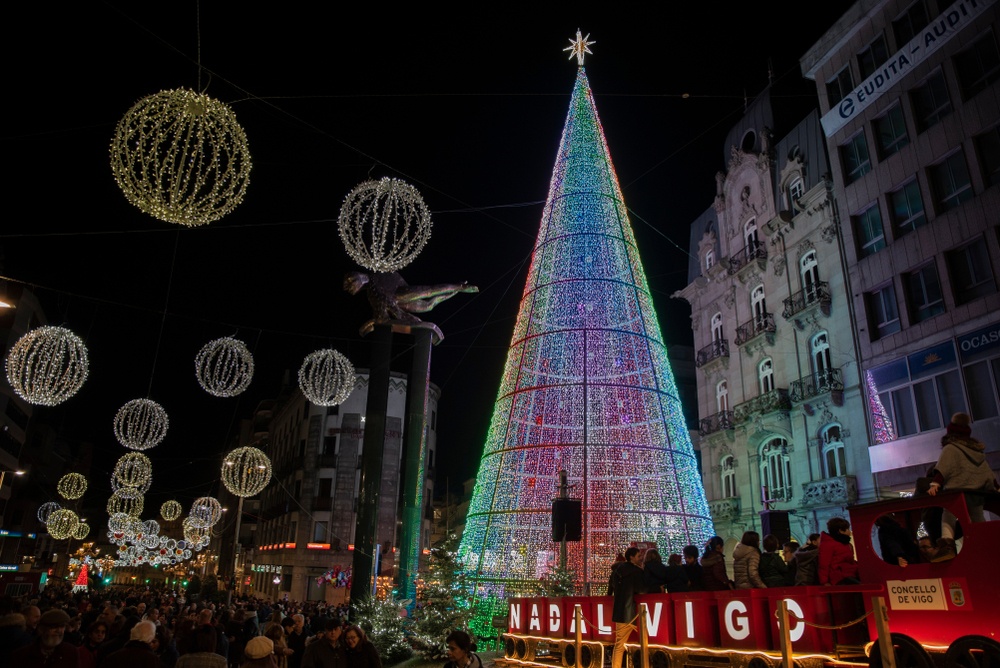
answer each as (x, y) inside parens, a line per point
(391, 298)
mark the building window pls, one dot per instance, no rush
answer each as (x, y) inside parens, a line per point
(912, 21)
(717, 327)
(890, 132)
(434, 420)
(722, 396)
(319, 532)
(950, 182)
(819, 349)
(970, 271)
(776, 469)
(872, 56)
(883, 315)
(728, 468)
(931, 101)
(982, 380)
(868, 229)
(750, 235)
(796, 189)
(709, 259)
(988, 149)
(907, 208)
(854, 155)
(923, 293)
(758, 305)
(765, 374)
(325, 489)
(809, 274)
(839, 86)
(978, 66)
(834, 452)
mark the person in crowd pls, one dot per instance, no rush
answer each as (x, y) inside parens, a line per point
(746, 562)
(788, 551)
(927, 549)
(836, 554)
(321, 626)
(275, 620)
(200, 652)
(626, 581)
(163, 646)
(896, 544)
(259, 653)
(807, 562)
(96, 634)
(695, 577)
(13, 629)
(327, 652)
(297, 637)
(137, 652)
(206, 618)
(654, 572)
(73, 635)
(48, 649)
(773, 569)
(361, 653)
(276, 633)
(677, 580)
(461, 651)
(234, 636)
(713, 566)
(31, 617)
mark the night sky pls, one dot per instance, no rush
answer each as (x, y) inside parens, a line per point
(468, 107)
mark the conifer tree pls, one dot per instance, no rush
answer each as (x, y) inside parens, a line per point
(442, 602)
(386, 628)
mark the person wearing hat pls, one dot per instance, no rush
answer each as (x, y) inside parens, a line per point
(49, 650)
(328, 652)
(137, 652)
(259, 653)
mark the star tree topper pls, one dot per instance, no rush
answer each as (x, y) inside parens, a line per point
(579, 46)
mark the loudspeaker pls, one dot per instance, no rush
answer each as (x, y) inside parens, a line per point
(567, 517)
(775, 522)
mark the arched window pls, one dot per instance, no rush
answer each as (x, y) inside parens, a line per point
(722, 395)
(795, 190)
(750, 235)
(728, 470)
(809, 273)
(717, 327)
(776, 469)
(820, 353)
(758, 305)
(709, 259)
(765, 373)
(834, 452)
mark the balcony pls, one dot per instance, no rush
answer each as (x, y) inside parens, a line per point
(840, 491)
(744, 257)
(817, 294)
(715, 350)
(751, 329)
(829, 380)
(725, 510)
(769, 402)
(718, 422)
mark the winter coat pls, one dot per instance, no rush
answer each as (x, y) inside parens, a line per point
(363, 656)
(695, 576)
(773, 570)
(807, 565)
(963, 466)
(713, 567)
(626, 581)
(836, 560)
(746, 567)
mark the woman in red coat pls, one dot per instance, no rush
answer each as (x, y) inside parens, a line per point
(836, 556)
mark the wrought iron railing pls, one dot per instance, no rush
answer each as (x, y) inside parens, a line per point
(725, 510)
(775, 400)
(751, 329)
(828, 380)
(718, 422)
(816, 294)
(840, 491)
(716, 349)
(745, 256)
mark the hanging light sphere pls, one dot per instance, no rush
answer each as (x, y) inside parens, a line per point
(151, 527)
(47, 366)
(384, 224)
(171, 510)
(141, 424)
(119, 522)
(133, 470)
(182, 157)
(81, 531)
(62, 523)
(46, 509)
(120, 504)
(205, 512)
(224, 367)
(326, 378)
(71, 486)
(246, 471)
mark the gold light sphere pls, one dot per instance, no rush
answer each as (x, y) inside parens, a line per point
(133, 469)
(181, 157)
(246, 471)
(384, 224)
(47, 366)
(224, 367)
(81, 531)
(141, 424)
(62, 523)
(326, 378)
(205, 512)
(71, 486)
(120, 504)
(171, 510)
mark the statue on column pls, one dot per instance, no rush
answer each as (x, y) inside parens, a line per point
(392, 298)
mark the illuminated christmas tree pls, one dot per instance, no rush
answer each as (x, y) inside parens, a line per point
(81, 579)
(588, 388)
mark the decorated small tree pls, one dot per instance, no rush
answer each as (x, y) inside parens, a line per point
(558, 582)
(81, 579)
(386, 628)
(442, 602)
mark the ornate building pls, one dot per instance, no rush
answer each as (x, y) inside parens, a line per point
(782, 419)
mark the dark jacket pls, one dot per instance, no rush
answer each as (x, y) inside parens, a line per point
(654, 574)
(713, 566)
(807, 565)
(695, 576)
(626, 581)
(135, 654)
(321, 654)
(474, 662)
(363, 656)
(30, 656)
(773, 569)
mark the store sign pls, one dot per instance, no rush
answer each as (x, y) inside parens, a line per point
(317, 546)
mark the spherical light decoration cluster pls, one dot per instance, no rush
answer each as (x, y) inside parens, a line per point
(71, 486)
(125, 504)
(205, 512)
(384, 224)
(62, 523)
(224, 367)
(46, 509)
(47, 366)
(326, 378)
(141, 424)
(246, 471)
(181, 157)
(171, 510)
(81, 531)
(133, 471)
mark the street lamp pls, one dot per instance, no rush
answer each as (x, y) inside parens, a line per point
(4, 472)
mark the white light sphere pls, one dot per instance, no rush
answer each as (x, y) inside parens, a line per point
(62, 523)
(384, 224)
(46, 509)
(181, 157)
(141, 424)
(132, 469)
(224, 367)
(71, 486)
(151, 527)
(171, 510)
(326, 378)
(205, 512)
(119, 522)
(47, 366)
(81, 531)
(120, 504)
(246, 471)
